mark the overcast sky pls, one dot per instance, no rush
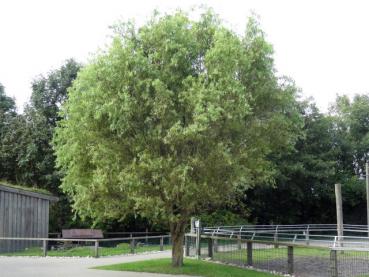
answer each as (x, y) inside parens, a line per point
(322, 45)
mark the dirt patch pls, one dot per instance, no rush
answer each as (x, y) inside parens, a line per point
(318, 266)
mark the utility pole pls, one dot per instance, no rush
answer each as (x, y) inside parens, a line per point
(338, 192)
(367, 193)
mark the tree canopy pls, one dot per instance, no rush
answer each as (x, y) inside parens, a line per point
(174, 116)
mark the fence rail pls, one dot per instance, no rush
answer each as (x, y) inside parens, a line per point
(117, 234)
(319, 235)
(82, 247)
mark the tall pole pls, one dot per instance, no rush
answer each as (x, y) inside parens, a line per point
(367, 192)
(338, 192)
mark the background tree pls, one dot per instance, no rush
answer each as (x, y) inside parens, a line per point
(26, 152)
(333, 149)
(7, 114)
(173, 117)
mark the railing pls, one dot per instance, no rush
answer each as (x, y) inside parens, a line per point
(281, 257)
(82, 247)
(315, 234)
(117, 234)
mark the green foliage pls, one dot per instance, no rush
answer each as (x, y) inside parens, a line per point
(7, 115)
(174, 116)
(26, 154)
(222, 218)
(332, 150)
(24, 187)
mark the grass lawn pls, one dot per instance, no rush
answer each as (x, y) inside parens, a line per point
(191, 267)
(281, 253)
(86, 251)
(270, 253)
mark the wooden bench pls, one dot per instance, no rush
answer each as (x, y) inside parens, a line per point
(78, 234)
(82, 234)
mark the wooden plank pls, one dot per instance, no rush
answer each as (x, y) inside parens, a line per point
(47, 210)
(23, 220)
(16, 221)
(29, 217)
(34, 219)
(2, 210)
(11, 219)
(39, 220)
(6, 219)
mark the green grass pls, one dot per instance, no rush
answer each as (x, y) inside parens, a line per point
(281, 253)
(191, 267)
(271, 253)
(86, 251)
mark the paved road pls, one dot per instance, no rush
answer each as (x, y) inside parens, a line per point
(71, 267)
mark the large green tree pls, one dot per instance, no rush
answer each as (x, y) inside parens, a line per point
(174, 116)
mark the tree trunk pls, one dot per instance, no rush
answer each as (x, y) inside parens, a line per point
(177, 231)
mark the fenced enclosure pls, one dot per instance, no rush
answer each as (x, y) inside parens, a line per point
(85, 247)
(286, 249)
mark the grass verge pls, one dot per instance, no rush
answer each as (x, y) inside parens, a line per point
(191, 267)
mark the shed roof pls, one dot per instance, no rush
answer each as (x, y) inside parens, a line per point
(27, 191)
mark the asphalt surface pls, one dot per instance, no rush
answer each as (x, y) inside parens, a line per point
(72, 267)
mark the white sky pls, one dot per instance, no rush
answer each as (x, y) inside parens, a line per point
(322, 45)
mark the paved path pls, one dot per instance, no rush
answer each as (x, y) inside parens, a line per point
(72, 267)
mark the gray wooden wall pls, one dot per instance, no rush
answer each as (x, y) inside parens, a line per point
(22, 215)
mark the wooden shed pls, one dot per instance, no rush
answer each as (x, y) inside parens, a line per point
(23, 214)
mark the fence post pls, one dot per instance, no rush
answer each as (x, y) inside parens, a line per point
(249, 253)
(276, 237)
(210, 248)
(44, 248)
(333, 261)
(132, 246)
(239, 245)
(290, 259)
(215, 243)
(307, 235)
(161, 243)
(193, 225)
(187, 246)
(96, 248)
(198, 239)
